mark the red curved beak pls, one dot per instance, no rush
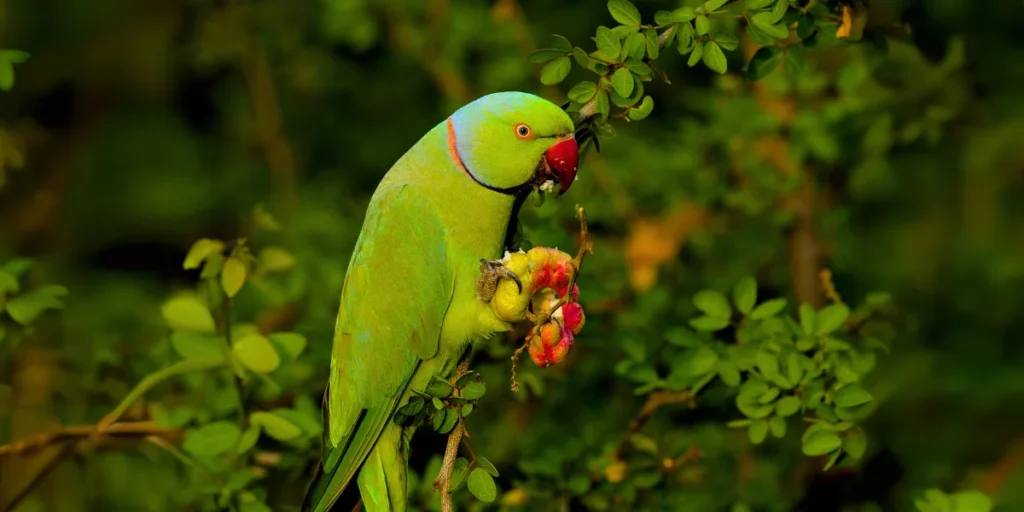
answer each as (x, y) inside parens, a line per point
(562, 160)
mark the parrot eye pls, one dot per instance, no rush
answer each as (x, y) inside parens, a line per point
(522, 131)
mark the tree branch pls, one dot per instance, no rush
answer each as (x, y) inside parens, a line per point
(443, 482)
(655, 401)
(134, 429)
(586, 247)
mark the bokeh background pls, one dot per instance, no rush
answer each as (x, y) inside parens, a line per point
(136, 128)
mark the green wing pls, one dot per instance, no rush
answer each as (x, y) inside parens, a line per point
(397, 290)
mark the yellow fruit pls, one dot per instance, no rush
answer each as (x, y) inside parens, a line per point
(518, 263)
(508, 304)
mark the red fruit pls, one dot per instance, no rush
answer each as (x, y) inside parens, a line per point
(572, 315)
(550, 345)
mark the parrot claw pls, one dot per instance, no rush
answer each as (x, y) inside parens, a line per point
(491, 273)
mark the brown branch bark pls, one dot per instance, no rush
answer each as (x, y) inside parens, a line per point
(655, 401)
(443, 482)
(135, 429)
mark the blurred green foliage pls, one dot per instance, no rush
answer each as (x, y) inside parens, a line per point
(808, 253)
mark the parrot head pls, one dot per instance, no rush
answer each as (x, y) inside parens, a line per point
(511, 141)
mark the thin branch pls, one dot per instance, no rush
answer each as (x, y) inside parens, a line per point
(139, 429)
(186, 366)
(39, 476)
(443, 482)
(586, 247)
(444, 477)
(655, 401)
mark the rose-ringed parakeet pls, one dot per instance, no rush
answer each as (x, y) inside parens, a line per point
(409, 307)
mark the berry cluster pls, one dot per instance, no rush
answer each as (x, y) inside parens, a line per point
(545, 275)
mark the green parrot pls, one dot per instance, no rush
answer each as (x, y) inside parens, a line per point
(409, 308)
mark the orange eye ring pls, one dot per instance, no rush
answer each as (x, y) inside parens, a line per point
(523, 132)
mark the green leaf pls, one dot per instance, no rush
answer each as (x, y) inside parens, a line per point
(792, 61)
(624, 12)
(779, 11)
(275, 259)
(768, 309)
(806, 28)
(758, 431)
(682, 337)
(248, 439)
(601, 104)
(581, 57)
(608, 44)
(637, 67)
(643, 110)
(856, 445)
(726, 40)
(459, 472)
(808, 319)
(852, 395)
(275, 426)
(187, 313)
(481, 484)
(486, 465)
(714, 5)
(622, 81)
(414, 406)
(787, 406)
(680, 15)
(560, 43)
(200, 250)
(214, 264)
(450, 419)
(232, 277)
(701, 361)
(714, 59)
(14, 56)
(291, 344)
(794, 368)
(684, 41)
(438, 404)
(712, 303)
(651, 38)
(8, 283)
(778, 426)
(474, 390)
(935, 501)
(6, 75)
(643, 443)
(256, 353)
(195, 345)
(709, 323)
(728, 372)
(582, 92)
(971, 501)
(18, 266)
(764, 62)
(439, 388)
(821, 442)
(25, 308)
(555, 71)
(758, 4)
(212, 439)
(768, 364)
(831, 318)
(765, 22)
(703, 25)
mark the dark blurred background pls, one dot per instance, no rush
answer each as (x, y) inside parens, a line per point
(136, 128)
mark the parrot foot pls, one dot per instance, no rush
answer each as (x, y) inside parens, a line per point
(491, 273)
